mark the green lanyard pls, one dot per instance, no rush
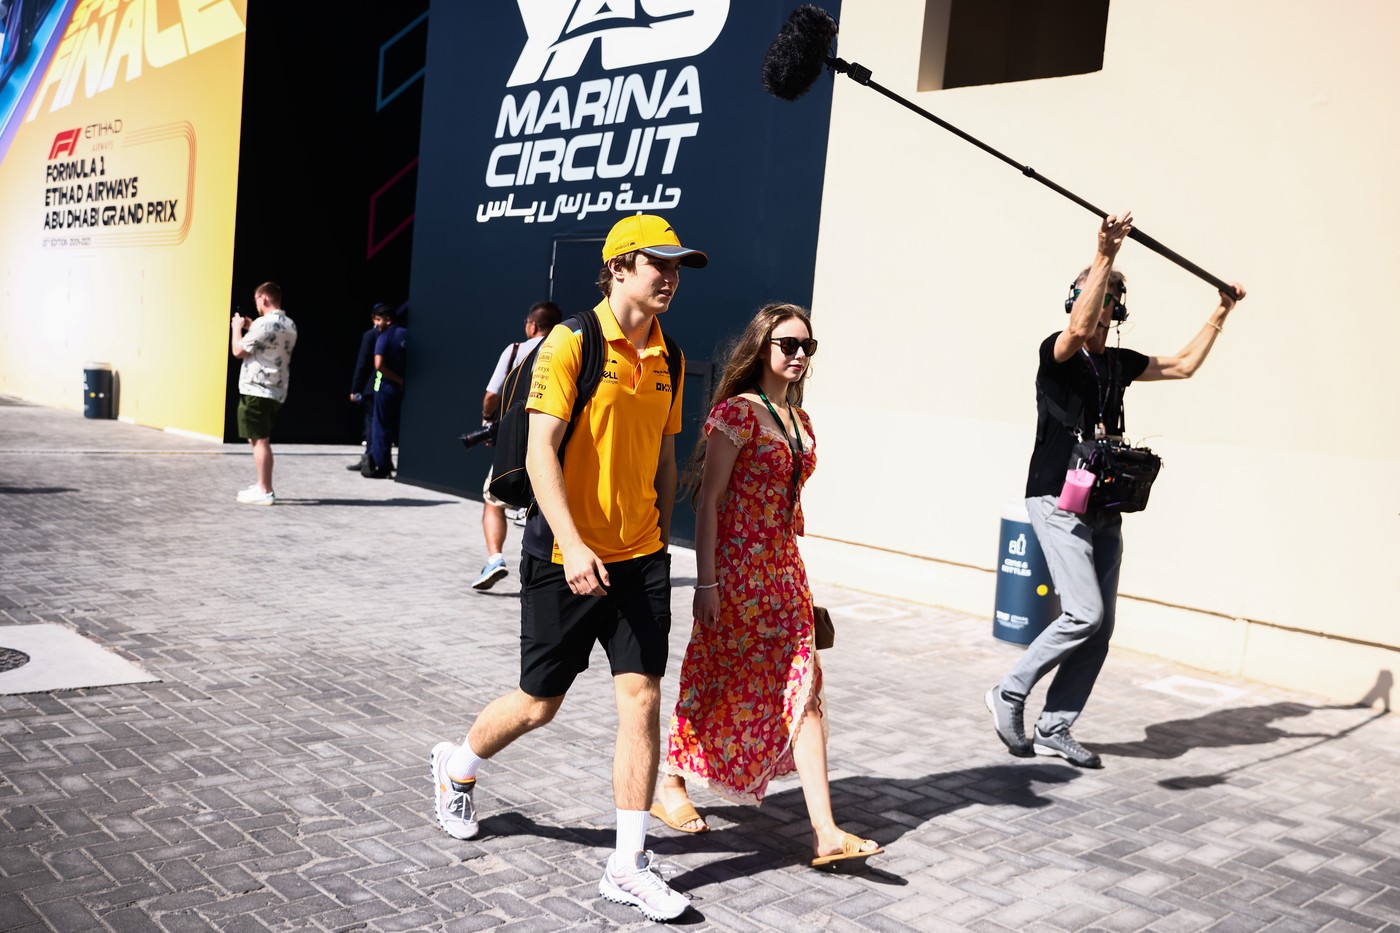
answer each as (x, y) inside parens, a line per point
(794, 444)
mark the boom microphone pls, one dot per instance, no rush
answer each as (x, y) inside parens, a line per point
(799, 53)
(802, 49)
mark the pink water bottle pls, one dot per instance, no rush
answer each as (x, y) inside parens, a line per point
(1074, 497)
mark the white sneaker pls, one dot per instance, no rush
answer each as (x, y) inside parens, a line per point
(641, 887)
(452, 800)
(255, 496)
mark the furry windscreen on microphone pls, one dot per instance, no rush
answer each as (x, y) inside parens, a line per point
(799, 53)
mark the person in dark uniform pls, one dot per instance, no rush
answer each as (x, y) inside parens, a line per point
(390, 357)
(362, 382)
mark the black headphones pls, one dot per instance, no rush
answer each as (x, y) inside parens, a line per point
(1120, 310)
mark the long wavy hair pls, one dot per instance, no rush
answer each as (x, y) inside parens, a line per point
(741, 361)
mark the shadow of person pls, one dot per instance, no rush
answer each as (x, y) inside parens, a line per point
(398, 502)
(1379, 692)
(778, 834)
(1245, 725)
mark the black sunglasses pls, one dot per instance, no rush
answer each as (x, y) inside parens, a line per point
(790, 345)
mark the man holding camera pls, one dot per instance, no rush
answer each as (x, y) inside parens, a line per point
(540, 320)
(266, 353)
(1081, 380)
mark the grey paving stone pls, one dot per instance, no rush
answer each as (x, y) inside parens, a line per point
(275, 778)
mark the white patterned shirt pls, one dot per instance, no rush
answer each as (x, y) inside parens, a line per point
(267, 370)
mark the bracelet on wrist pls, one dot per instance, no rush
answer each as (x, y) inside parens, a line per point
(1218, 328)
(707, 586)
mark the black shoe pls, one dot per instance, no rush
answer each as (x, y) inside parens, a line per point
(1061, 743)
(357, 466)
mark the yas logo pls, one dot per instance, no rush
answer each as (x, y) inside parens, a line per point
(65, 143)
(627, 32)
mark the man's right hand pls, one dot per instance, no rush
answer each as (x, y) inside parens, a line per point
(1113, 231)
(586, 573)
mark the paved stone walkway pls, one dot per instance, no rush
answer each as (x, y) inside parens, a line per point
(310, 654)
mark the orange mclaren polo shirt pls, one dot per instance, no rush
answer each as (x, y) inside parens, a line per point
(610, 461)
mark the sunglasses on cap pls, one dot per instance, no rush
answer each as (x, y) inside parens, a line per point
(790, 345)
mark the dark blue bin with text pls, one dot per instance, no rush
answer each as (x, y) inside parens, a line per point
(1026, 601)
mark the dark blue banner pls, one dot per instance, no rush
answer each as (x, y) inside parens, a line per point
(547, 120)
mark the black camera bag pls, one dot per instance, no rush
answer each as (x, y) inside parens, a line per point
(1125, 473)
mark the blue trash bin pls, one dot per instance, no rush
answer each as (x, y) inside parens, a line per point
(97, 391)
(1026, 601)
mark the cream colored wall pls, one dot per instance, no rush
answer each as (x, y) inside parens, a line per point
(1256, 138)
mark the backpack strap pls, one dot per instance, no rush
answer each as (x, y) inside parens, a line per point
(590, 370)
(538, 537)
(673, 356)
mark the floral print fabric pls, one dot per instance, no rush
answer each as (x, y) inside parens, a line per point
(746, 679)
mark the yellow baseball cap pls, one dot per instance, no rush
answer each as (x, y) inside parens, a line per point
(651, 235)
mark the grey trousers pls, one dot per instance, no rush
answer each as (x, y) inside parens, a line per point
(1084, 554)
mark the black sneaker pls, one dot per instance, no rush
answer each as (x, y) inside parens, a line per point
(1061, 743)
(1009, 719)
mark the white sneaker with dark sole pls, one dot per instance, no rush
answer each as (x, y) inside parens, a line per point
(641, 887)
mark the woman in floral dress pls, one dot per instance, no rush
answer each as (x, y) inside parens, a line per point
(750, 706)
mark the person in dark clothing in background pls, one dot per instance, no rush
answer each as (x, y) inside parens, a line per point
(362, 382)
(390, 355)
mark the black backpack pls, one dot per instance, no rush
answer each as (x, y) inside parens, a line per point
(510, 482)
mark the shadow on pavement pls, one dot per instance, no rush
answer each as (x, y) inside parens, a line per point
(1247, 725)
(762, 838)
(34, 490)
(396, 502)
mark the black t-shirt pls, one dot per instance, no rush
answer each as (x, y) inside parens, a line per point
(1086, 383)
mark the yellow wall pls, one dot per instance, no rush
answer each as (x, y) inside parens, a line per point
(154, 90)
(1256, 138)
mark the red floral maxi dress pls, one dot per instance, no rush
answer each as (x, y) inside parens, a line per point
(745, 680)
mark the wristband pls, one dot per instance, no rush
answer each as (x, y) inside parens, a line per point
(707, 586)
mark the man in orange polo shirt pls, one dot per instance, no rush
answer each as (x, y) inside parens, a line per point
(595, 566)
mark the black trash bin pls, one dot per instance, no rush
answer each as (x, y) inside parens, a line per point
(1026, 601)
(97, 391)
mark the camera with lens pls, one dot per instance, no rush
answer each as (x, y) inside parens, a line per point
(486, 433)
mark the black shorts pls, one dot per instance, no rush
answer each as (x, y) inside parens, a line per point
(558, 628)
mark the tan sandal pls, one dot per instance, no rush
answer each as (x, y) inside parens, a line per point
(677, 818)
(850, 849)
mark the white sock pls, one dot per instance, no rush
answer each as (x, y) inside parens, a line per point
(462, 764)
(631, 835)
(496, 556)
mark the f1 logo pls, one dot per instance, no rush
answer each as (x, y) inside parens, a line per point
(562, 32)
(65, 143)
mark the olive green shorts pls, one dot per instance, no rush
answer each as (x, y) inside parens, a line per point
(255, 416)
